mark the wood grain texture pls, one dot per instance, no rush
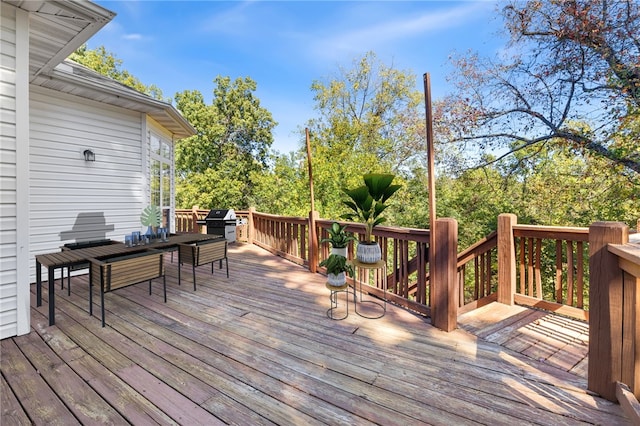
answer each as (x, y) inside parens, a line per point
(606, 308)
(258, 349)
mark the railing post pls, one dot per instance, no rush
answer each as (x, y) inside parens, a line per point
(250, 229)
(194, 220)
(631, 333)
(313, 242)
(506, 258)
(444, 272)
(605, 308)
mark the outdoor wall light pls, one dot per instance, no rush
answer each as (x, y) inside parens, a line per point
(89, 155)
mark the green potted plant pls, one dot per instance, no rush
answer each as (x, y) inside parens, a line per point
(338, 238)
(337, 269)
(367, 203)
(151, 217)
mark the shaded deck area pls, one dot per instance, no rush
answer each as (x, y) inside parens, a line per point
(257, 348)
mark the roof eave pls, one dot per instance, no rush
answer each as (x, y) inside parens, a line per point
(64, 24)
(161, 111)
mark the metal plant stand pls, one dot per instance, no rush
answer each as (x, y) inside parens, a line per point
(381, 266)
(333, 298)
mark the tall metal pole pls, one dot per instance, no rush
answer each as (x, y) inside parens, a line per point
(313, 238)
(430, 170)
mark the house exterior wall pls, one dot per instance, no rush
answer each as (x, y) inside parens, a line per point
(49, 194)
(14, 178)
(73, 199)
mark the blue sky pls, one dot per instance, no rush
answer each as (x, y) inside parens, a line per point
(285, 45)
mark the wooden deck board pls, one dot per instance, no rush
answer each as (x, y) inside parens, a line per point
(85, 404)
(257, 348)
(128, 324)
(36, 397)
(126, 400)
(262, 349)
(12, 412)
(550, 338)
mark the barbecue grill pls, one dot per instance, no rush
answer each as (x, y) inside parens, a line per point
(221, 222)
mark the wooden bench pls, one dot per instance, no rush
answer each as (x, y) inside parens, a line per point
(201, 253)
(114, 272)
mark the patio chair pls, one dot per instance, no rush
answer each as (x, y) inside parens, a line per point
(201, 253)
(112, 273)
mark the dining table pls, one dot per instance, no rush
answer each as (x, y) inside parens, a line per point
(69, 258)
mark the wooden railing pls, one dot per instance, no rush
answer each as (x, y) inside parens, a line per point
(406, 251)
(285, 236)
(543, 267)
(614, 331)
(558, 253)
(477, 274)
(547, 267)
(186, 220)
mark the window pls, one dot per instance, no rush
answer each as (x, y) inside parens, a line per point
(160, 179)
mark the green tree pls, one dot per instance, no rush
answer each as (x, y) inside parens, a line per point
(541, 185)
(560, 187)
(107, 64)
(567, 62)
(284, 188)
(368, 123)
(370, 110)
(475, 198)
(233, 142)
(210, 189)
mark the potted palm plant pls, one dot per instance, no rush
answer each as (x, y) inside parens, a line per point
(338, 238)
(367, 202)
(151, 217)
(337, 269)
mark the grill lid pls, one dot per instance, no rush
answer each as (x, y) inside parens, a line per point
(220, 214)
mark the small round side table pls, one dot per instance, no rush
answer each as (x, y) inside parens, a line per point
(381, 266)
(333, 298)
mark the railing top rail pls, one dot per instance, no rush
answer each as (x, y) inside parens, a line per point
(630, 253)
(552, 232)
(279, 218)
(412, 234)
(480, 247)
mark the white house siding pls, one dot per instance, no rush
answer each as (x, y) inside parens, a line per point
(14, 136)
(109, 192)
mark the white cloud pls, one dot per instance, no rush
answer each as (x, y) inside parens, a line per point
(133, 36)
(335, 43)
(235, 20)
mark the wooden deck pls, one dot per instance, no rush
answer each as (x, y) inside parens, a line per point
(257, 348)
(549, 338)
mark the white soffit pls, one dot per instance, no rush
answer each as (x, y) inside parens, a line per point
(57, 28)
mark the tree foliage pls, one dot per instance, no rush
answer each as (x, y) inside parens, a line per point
(566, 117)
(233, 141)
(107, 64)
(558, 187)
(552, 187)
(366, 123)
(371, 111)
(284, 188)
(568, 62)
